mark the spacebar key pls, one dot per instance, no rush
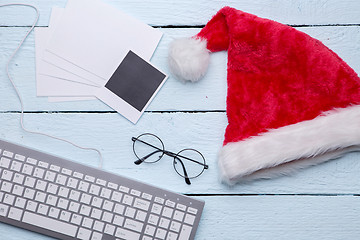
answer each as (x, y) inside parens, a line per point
(50, 224)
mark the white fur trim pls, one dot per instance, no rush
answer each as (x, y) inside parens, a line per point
(284, 150)
(188, 58)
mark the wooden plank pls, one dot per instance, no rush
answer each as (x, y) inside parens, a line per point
(207, 94)
(112, 134)
(188, 12)
(263, 218)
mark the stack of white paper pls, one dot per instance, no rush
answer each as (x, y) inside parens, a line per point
(83, 46)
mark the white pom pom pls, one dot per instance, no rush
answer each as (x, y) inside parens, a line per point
(189, 58)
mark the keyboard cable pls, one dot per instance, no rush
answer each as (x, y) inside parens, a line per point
(19, 96)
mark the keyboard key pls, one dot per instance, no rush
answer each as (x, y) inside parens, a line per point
(185, 232)
(63, 203)
(89, 178)
(181, 207)
(146, 196)
(27, 169)
(170, 203)
(19, 157)
(9, 199)
(112, 185)
(40, 197)
(50, 176)
(29, 182)
(31, 161)
(96, 236)
(178, 215)
(29, 193)
(66, 171)
(72, 182)
(135, 192)
(107, 217)
(130, 212)
(141, 204)
(85, 198)
(94, 189)
(78, 175)
(153, 219)
(133, 225)
(18, 190)
(43, 164)
(31, 206)
(160, 233)
(65, 216)
(105, 193)
(63, 192)
(85, 210)
(119, 209)
(87, 222)
(20, 202)
(3, 209)
(15, 213)
(41, 185)
(128, 200)
(74, 207)
(7, 175)
(8, 154)
(189, 219)
(118, 220)
(101, 182)
(74, 195)
(61, 179)
(18, 178)
(109, 229)
(159, 200)
(175, 226)
(54, 212)
(54, 168)
(83, 186)
(43, 209)
(108, 205)
(116, 196)
(52, 188)
(167, 212)
(16, 166)
(96, 213)
(6, 187)
(4, 162)
(164, 223)
(150, 230)
(126, 234)
(172, 236)
(124, 189)
(96, 202)
(98, 226)
(51, 224)
(84, 234)
(52, 200)
(156, 208)
(192, 210)
(140, 215)
(76, 219)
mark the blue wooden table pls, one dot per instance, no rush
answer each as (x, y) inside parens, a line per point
(321, 202)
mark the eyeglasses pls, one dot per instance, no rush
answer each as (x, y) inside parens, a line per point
(188, 163)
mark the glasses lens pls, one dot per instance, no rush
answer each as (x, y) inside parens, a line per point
(190, 159)
(148, 147)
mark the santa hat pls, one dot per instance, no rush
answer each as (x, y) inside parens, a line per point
(291, 101)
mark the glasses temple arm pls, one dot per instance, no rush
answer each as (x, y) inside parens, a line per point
(187, 180)
(140, 160)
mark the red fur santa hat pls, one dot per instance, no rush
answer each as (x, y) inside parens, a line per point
(291, 101)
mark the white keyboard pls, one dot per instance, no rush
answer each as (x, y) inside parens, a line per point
(67, 200)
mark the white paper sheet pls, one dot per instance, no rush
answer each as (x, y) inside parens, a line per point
(56, 86)
(95, 37)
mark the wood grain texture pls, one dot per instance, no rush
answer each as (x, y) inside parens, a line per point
(208, 94)
(189, 12)
(264, 218)
(112, 134)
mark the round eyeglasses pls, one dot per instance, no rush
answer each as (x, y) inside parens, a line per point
(188, 163)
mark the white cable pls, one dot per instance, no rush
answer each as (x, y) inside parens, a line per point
(18, 94)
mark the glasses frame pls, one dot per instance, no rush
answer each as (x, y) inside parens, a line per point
(176, 156)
